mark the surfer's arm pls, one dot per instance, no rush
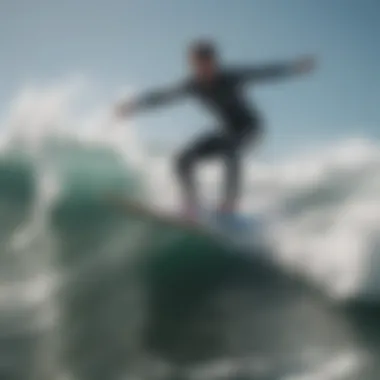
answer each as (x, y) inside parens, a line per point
(153, 99)
(275, 70)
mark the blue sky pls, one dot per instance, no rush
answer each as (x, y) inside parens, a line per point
(141, 43)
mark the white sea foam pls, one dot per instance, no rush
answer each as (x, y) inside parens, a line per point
(324, 210)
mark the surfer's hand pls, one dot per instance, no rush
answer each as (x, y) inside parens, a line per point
(304, 65)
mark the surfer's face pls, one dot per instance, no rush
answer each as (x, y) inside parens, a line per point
(203, 68)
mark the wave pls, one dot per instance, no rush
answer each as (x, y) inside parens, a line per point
(64, 250)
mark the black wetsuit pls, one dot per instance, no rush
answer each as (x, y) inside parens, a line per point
(239, 123)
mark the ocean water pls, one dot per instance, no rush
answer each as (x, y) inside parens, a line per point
(88, 292)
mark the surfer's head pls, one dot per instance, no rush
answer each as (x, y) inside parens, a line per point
(203, 58)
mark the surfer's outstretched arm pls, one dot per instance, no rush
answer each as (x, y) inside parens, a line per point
(276, 70)
(153, 99)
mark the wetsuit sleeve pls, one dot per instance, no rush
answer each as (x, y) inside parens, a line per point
(162, 96)
(265, 72)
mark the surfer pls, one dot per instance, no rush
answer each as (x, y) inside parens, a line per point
(220, 89)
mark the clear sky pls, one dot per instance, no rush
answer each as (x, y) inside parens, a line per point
(141, 43)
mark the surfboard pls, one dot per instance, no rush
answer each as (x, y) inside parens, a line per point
(210, 223)
(150, 214)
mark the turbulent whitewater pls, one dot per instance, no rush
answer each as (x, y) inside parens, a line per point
(64, 250)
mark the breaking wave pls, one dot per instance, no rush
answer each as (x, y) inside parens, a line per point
(64, 249)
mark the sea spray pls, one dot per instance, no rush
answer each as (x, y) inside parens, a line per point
(59, 238)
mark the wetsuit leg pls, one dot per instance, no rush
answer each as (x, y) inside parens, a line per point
(231, 155)
(225, 145)
(232, 181)
(206, 146)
